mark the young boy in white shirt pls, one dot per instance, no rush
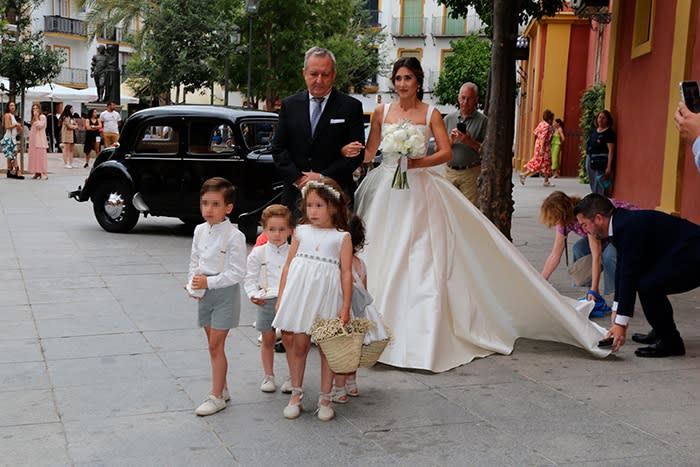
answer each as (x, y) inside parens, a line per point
(217, 266)
(265, 264)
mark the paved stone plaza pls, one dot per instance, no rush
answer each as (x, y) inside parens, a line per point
(101, 363)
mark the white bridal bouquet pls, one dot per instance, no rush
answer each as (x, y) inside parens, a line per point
(408, 140)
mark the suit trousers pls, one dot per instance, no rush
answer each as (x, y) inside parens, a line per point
(672, 275)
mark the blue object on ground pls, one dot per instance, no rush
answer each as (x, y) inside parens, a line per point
(600, 308)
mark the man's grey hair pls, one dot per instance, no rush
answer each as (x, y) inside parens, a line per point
(469, 84)
(318, 52)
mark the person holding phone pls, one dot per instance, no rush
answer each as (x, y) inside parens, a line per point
(687, 118)
(467, 130)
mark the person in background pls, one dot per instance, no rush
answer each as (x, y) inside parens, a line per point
(542, 159)
(464, 168)
(38, 145)
(9, 142)
(600, 154)
(68, 127)
(688, 124)
(110, 119)
(557, 139)
(92, 136)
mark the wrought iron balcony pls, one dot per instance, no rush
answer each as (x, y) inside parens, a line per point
(409, 26)
(73, 76)
(65, 25)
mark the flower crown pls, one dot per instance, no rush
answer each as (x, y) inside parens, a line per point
(318, 185)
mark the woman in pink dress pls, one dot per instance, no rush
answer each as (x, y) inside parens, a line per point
(542, 160)
(38, 145)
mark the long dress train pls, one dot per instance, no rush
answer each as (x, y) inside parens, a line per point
(448, 284)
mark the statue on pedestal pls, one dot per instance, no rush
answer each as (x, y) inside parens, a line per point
(113, 81)
(98, 72)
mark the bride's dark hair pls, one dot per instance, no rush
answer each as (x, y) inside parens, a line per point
(414, 65)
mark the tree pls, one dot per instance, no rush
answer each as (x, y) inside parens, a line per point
(502, 18)
(470, 61)
(279, 45)
(24, 59)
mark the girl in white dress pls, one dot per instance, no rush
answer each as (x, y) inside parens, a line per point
(448, 284)
(316, 283)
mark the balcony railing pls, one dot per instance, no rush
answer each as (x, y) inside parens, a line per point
(74, 76)
(409, 26)
(65, 25)
(444, 26)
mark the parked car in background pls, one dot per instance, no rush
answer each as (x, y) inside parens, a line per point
(166, 153)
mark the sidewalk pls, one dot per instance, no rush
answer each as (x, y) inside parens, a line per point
(101, 363)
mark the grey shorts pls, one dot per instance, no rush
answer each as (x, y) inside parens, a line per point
(220, 308)
(264, 315)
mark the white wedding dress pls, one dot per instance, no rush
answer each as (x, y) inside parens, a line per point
(448, 284)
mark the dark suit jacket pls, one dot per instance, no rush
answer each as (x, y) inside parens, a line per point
(646, 240)
(296, 151)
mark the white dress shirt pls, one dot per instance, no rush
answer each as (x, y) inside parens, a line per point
(274, 258)
(207, 251)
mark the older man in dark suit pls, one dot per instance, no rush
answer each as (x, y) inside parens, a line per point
(657, 255)
(320, 132)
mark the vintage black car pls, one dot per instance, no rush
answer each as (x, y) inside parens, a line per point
(166, 153)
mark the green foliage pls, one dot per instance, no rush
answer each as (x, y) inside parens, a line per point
(527, 9)
(471, 61)
(592, 102)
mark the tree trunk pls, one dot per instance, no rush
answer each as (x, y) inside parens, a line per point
(495, 183)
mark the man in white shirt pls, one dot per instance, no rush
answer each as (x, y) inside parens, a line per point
(110, 119)
(688, 123)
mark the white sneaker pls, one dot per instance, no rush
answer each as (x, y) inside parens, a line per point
(210, 406)
(268, 384)
(286, 387)
(68, 166)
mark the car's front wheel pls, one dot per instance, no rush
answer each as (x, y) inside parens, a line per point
(112, 205)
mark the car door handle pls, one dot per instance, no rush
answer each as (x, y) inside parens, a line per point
(127, 156)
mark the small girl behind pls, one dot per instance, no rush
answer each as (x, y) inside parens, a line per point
(217, 265)
(316, 283)
(262, 280)
(346, 384)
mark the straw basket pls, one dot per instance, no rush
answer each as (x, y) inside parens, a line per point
(343, 351)
(371, 353)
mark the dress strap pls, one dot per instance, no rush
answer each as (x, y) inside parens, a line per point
(428, 115)
(386, 111)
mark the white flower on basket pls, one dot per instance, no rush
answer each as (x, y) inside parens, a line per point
(404, 138)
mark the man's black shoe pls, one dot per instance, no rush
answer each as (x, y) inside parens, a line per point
(661, 350)
(279, 347)
(647, 339)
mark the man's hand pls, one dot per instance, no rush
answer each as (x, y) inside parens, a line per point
(200, 282)
(311, 176)
(618, 333)
(687, 122)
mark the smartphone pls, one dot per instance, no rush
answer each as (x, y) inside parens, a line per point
(690, 93)
(462, 127)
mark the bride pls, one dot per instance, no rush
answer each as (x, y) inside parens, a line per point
(449, 285)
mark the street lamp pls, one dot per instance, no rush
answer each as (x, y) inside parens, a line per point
(251, 7)
(234, 38)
